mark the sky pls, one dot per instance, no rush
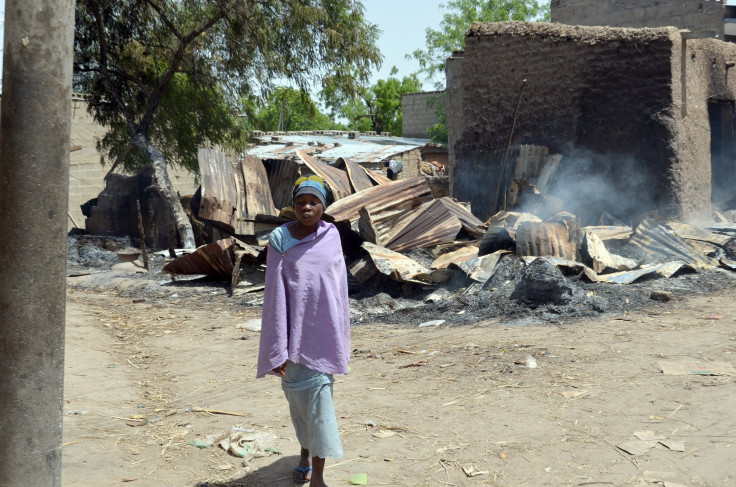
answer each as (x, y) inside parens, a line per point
(403, 23)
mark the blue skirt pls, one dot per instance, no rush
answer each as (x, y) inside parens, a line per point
(309, 394)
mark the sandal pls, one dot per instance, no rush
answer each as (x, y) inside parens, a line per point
(302, 475)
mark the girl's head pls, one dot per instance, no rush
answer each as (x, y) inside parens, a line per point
(310, 199)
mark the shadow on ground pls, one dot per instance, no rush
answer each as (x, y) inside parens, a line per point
(276, 474)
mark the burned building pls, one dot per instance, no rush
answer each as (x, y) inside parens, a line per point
(643, 118)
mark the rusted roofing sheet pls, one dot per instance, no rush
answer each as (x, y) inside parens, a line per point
(281, 176)
(385, 202)
(219, 195)
(359, 179)
(398, 267)
(691, 232)
(470, 223)
(455, 257)
(215, 259)
(234, 196)
(254, 195)
(378, 178)
(336, 178)
(432, 225)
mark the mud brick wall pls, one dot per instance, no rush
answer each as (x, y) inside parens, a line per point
(453, 75)
(696, 15)
(411, 161)
(702, 73)
(417, 115)
(606, 99)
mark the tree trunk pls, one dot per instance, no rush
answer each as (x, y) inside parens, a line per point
(163, 184)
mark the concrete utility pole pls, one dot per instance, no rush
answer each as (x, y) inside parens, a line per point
(35, 128)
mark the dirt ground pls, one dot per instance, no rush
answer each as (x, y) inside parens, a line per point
(454, 405)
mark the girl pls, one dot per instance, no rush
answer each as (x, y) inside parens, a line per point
(305, 332)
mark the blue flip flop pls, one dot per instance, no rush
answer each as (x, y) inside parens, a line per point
(304, 472)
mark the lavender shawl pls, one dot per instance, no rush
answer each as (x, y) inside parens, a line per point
(306, 315)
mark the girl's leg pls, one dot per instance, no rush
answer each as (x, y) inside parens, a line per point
(318, 469)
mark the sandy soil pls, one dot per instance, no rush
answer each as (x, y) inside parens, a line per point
(455, 405)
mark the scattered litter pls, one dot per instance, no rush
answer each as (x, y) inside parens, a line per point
(697, 368)
(531, 362)
(247, 444)
(250, 325)
(673, 445)
(649, 435)
(359, 479)
(431, 323)
(384, 434)
(472, 471)
(637, 447)
(201, 444)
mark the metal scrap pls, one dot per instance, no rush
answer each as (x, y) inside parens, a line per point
(659, 240)
(214, 259)
(668, 269)
(390, 206)
(336, 178)
(397, 266)
(357, 175)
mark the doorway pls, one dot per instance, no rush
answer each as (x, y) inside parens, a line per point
(722, 154)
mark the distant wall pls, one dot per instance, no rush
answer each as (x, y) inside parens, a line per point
(417, 116)
(696, 15)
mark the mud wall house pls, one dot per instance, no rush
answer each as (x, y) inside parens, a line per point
(114, 213)
(86, 174)
(642, 117)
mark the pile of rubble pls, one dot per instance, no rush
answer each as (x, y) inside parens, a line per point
(401, 242)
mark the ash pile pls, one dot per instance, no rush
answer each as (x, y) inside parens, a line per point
(414, 256)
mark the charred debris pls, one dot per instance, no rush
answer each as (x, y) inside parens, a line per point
(406, 248)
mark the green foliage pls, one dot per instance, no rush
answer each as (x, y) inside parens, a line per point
(438, 132)
(376, 107)
(295, 109)
(459, 17)
(176, 72)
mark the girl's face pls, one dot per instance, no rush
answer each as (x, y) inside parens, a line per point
(308, 210)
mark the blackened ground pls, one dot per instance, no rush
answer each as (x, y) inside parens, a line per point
(518, 293)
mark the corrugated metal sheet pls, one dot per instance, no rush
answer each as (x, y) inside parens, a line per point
(255, 196)
(234, 196)
(668, 269)
(333, 147)
(433, 224)
(215, 259)
(359, 179)
(396, 266)
(219, 195)
(661, 241)
(386, 201)
(455, 257)
(281, 176)
(336, 178)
